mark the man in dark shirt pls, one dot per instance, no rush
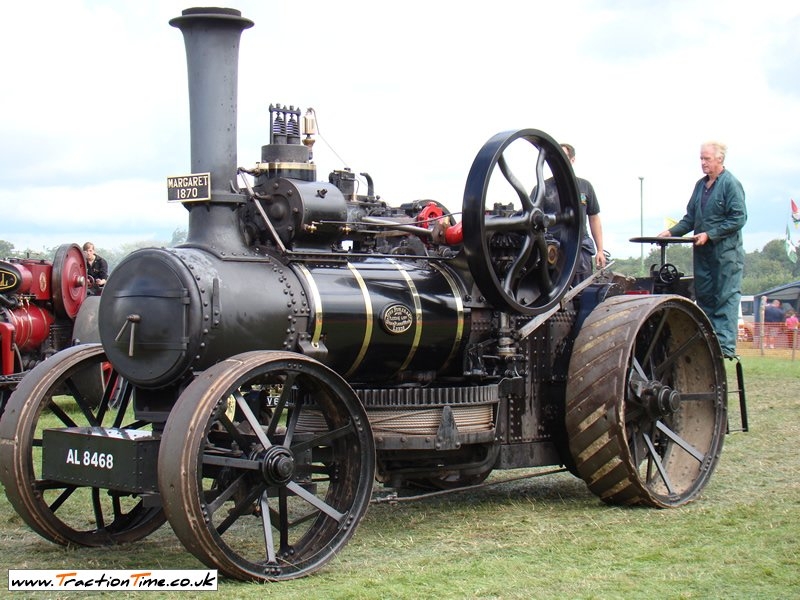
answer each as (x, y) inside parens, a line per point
(592, 242)
(97, 268)
(591, 246)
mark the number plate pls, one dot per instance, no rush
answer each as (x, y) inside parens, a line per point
(117, 459)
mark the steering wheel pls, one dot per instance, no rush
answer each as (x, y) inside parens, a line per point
(668, 273)
(522, 254)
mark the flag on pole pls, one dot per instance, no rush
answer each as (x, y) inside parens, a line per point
(795, 213)
(791, 251)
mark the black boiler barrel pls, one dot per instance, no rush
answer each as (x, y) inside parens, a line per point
(165, 312)
(382, 318)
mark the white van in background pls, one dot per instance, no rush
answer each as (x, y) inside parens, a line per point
(746, 319)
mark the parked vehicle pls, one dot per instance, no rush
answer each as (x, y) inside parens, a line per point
(746, 319)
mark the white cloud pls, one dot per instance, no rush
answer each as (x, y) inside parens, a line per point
(96, 108)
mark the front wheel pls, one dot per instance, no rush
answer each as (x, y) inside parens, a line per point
(266, 465)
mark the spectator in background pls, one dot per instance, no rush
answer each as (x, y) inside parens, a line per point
(791, 327)
(97, 268)
(774, 319)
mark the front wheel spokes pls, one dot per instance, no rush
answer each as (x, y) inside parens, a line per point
(81, 402)
(241, 508)
(42, 485)
(303, 468)
(252, 420)
(283, 400)
(324, 439)
(323, 507)
(266, 525)
(280, 519)
(221, 498)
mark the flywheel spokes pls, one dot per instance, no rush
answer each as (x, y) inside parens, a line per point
(522, 221)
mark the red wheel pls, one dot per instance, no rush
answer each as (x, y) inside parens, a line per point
(69, 280)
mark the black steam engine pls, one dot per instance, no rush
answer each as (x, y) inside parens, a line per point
(308, 339)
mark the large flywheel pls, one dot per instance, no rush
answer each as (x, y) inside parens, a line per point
(522, 221)
(646, 401)
(266, 465)
(74, 388)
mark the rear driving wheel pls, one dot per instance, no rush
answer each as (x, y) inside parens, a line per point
(646, 401)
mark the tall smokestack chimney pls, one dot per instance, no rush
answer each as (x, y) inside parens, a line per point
(211, 36)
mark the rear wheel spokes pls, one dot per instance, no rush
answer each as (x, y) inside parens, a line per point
(650, 437)
(680, 442)
(654, 459)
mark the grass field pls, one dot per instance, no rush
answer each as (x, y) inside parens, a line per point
(545, 537)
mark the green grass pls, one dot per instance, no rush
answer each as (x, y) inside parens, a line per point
(546, 537)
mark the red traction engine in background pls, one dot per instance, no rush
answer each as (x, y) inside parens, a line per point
(39, 302)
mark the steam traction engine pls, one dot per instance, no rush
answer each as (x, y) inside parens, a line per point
(307, 339)
(39, 303)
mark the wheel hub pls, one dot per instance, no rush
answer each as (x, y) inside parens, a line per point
(277, 465)
(660, 400)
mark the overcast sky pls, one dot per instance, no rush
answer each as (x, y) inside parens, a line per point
(94, 103)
